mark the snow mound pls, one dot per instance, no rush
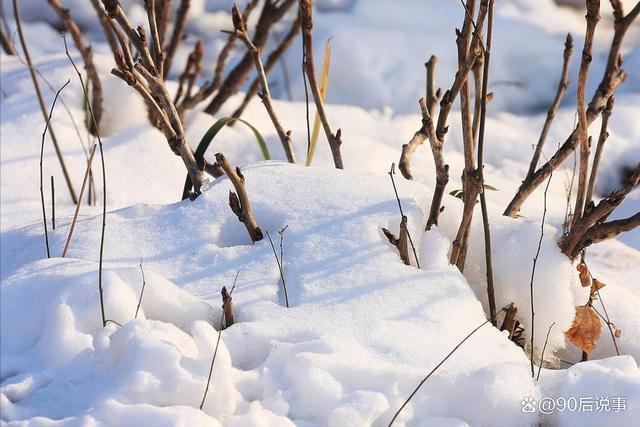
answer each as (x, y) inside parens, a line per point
(361, 332)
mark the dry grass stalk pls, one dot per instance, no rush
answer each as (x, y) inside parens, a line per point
(401, 242)
(74, 220)
(612, 78)
(239, 201)
(43, 109)
(240, 31)
(562, 88)
(87, 57)
(144, 76)
(335, 140)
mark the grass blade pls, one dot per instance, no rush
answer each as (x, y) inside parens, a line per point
(324, 82)
(208, 137)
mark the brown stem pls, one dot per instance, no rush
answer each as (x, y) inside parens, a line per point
(471, 186)
(580, 235)
(593, 16)
(239, 201)
(433, 94)
(156, 48)
(562, 88)
(105, 22)
(272, 12)
(227, 307)
(104, 183)
(241, 34)
(178, 32)
(43, 109)
(87, 56)
(335, 140)
(606, 113)
(6, 43)
(402, 242)
(272, 60)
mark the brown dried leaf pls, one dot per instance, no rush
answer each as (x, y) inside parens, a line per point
(585, 279)
(585, 330)
(617, 333)
(596, 285)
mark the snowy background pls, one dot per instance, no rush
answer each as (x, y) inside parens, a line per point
(363, 329)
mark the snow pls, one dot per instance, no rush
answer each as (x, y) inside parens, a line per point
(363, 329)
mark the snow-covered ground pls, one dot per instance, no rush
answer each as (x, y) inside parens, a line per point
(362, 328)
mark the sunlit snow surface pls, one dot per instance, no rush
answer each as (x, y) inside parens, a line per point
(363, 329)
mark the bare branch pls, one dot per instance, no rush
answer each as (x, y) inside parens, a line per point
(606, 114)
(239, 201)
(87, 57)
(562, 88)
(612, 78)
(176, 37)
(241, 33)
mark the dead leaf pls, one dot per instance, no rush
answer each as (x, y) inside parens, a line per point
(596, 285)
(585, 279)
(586, 328)
(617, 333)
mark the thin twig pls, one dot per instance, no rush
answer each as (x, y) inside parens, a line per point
(176, 37)
(144, 283)
(544, 347)
(612, 78)
(607, 320)
(215, 351)
(392, 172)
(280, 263)
(562, 88)
(44, 133)
(606, 114)
(87, 56)
(104, 180)
(53, 203)
(438, 366)
(43, 109)
(533, 269)
(483, 201)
